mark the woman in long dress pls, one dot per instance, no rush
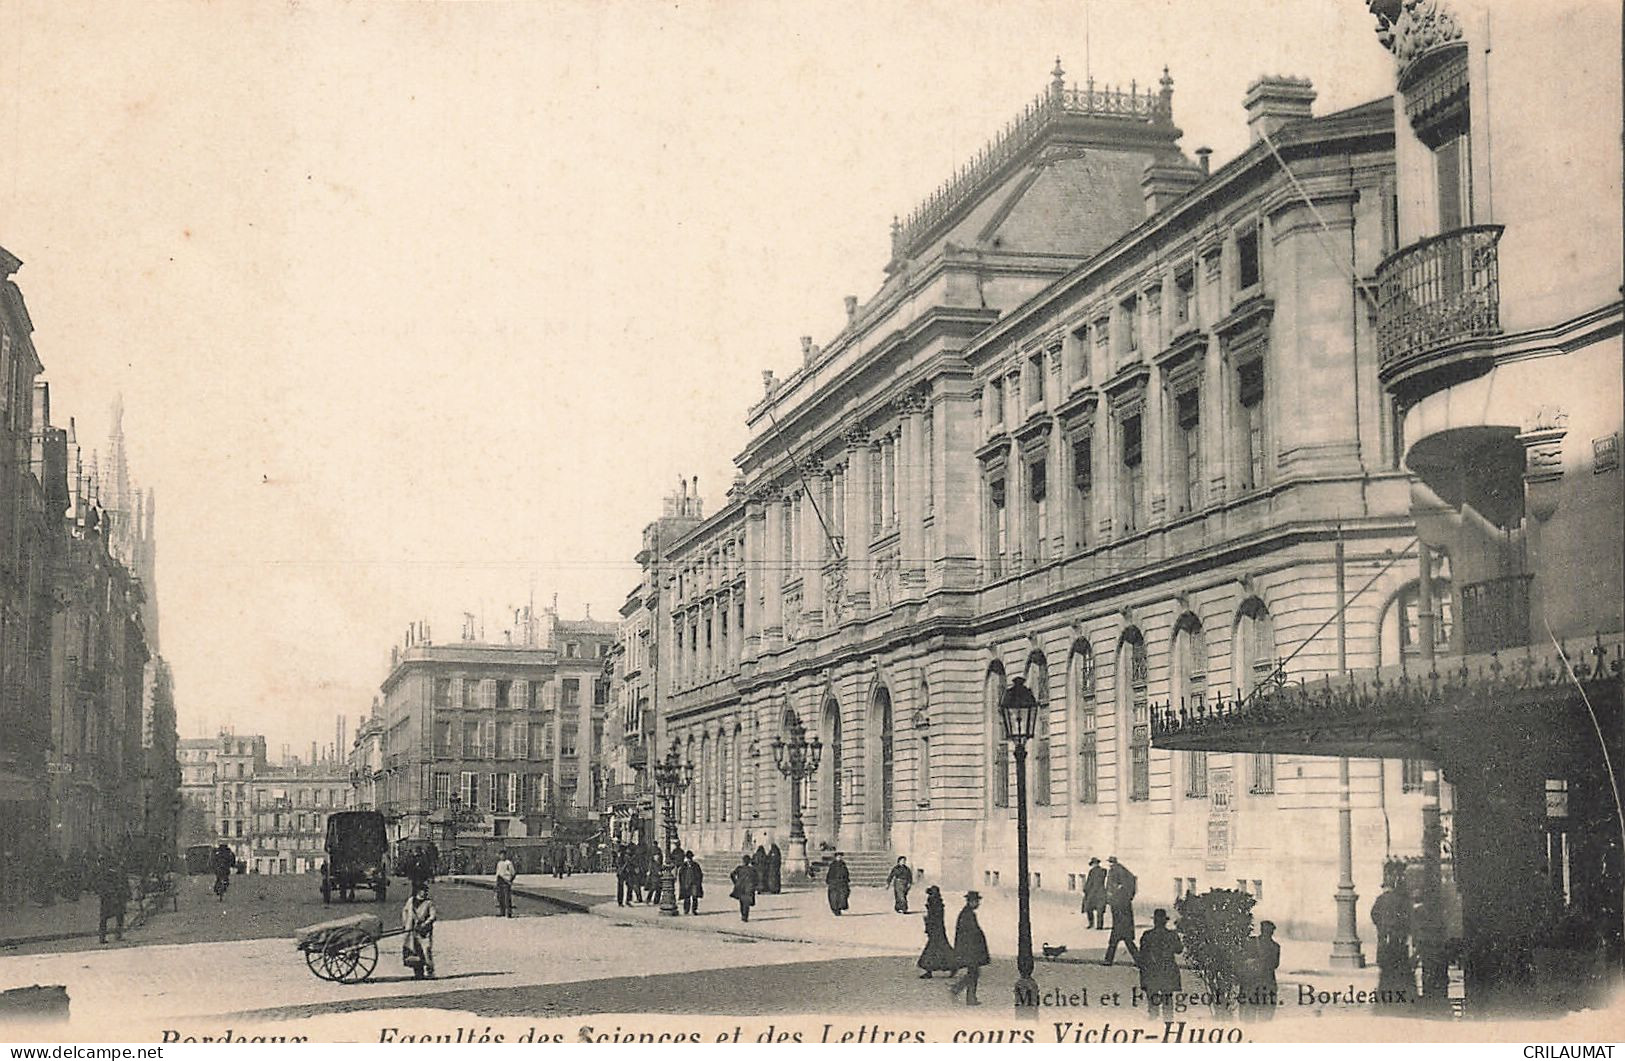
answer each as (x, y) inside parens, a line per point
(938, 956)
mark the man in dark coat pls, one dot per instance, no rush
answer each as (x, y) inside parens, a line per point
(839, 883)
(758, 864)
(113, 889)
(690, 883)
(1094, 894)
(1159, 973)
(651, 882)
(775, 870)
(1260, 958)
(1391, 914)
(1120, 888)
(970, 949)
(900, 880)
(744, 879)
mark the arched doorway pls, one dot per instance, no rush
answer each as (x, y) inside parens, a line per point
(880, 787)
(829, 781)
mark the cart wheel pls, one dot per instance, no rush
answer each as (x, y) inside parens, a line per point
(366, 960)
(340, 960)
(316, 959)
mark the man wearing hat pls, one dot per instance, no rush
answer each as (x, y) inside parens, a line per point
(970, 948)
(1159, 973)
(1094, 894)
(1120, 888)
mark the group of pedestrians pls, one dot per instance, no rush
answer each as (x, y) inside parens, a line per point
(637, 874)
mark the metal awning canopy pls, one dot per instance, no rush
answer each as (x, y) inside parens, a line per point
(1521, 699)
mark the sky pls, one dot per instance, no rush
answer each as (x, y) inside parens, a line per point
(419, 309)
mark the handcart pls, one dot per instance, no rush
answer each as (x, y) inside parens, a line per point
(346, 950)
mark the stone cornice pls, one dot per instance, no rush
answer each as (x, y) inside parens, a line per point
(1246, 322)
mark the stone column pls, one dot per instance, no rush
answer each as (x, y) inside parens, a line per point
(814, 544)
(857, 519)
(772, 569)
(911, 498)
(755, 530)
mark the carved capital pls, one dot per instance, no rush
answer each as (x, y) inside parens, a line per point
(857, 436)
(910, 402)
(1409, 28)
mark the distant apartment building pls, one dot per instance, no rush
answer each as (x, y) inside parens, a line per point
(494, 742)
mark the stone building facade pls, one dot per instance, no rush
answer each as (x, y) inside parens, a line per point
(494, 743)
(1100, 427)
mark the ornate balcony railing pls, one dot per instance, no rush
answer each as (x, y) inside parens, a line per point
(1050, 106)
(1434, 295)
(1495, 614)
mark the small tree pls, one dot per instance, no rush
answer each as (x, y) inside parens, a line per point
(1215, 927)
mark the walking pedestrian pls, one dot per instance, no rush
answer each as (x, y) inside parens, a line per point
(1120, 888)
(838, 882)
(113, 891)
(505, 875)
(418, 918)
(1094, 894)
(1159, 973)
(938, 955)
(744, 880)
(652, 882)
(1391, 914)
(901, 879)
(970, 949)
(758, 865)
(1261, 957)
(690, 883)
(775, 868)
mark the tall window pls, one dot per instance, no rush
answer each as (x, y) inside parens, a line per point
(1083, 482)
(1190, 662)
(1247, 263)
(1187, 455)
(1083, 692)
(997, 527)
(1250, 423)
(1133, 666)
(571, 692)
(1035, 378)
(1454, 175)
(999, 751)
(1255, 663)
(1130, 326)
(1038, 490)
(1038, 682)
(1080, 353)
(1133, 473)
(724, 779)
(1184, 296)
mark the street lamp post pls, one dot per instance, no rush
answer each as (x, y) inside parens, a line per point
(672, 775)
(797, 759)
(1018, 713)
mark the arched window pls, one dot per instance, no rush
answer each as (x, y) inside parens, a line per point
(1133, 706)
(1190, 692)
(998, 749)
(1255, 662)
(1084, 705)
(1038, 682)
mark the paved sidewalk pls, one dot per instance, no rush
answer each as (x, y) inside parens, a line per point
(804, 917)
(32, 923)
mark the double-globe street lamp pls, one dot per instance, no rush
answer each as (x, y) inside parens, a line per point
(1018, 714)
(672, 775)
(797, 759)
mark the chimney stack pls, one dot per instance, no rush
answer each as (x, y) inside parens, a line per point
(1204, 158)
(851, 308)
(1272, 102)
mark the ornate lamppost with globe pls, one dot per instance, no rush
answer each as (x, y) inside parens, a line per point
(1018, 714)
(797, 759)
(672, 775)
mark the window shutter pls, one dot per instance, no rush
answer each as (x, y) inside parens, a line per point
(519, 698)
(521, 740)
(490, 739)
(457, 693)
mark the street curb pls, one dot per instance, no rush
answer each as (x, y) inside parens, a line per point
(569, 905)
